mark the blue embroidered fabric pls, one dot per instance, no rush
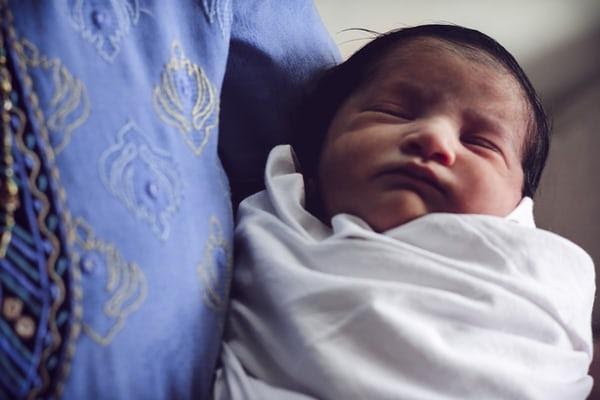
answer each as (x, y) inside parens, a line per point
(114, 280)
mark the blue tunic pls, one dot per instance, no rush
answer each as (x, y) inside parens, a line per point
(115, 279)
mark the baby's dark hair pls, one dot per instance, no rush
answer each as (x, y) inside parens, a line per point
(335, 85)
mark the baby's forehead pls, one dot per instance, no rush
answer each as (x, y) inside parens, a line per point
(421, 63)
(427, 70)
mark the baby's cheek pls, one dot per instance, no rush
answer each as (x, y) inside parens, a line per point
(493, 198)
(336, 191)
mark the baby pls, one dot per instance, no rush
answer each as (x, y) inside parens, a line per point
(392, 266)
(427, 119)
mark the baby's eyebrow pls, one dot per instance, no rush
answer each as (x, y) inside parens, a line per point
(410, 91)
(418, 95)
(487, 122)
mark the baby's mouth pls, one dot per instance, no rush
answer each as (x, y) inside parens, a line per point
(414, 172)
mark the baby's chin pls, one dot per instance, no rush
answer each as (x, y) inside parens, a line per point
(408, 205)
(391, 214)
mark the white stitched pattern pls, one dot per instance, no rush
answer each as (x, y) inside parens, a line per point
(68, 107)
(187, 100)
(124, 284)
(104, 23)
(216, 267)
(220, 11)
(143, 177)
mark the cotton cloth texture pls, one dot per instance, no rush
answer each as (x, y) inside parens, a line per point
(130, 113)
(446, 306)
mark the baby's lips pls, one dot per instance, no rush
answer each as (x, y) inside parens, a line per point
(416, 172)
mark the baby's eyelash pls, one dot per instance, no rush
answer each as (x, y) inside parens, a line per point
(479, 141)
(394, 112)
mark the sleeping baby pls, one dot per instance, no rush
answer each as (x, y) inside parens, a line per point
(393, 253)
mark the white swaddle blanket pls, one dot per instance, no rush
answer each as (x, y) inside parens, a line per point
(446, 306)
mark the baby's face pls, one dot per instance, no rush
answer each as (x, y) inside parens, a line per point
(432, 131)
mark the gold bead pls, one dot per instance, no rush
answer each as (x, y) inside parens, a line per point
(12, 308)
(25, 327)
(10, 222)
(8, 172)
(6, 86)
(12, 187)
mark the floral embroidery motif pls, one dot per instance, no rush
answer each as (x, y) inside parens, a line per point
(216, 268)
(125, 285)
(219, 10)
(187, 100)
(104, 23)
(69, 107)
(144, 178)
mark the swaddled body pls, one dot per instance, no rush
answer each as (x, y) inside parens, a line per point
(447, 306)
(387, 264)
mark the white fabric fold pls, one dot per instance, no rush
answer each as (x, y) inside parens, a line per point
(446, 306)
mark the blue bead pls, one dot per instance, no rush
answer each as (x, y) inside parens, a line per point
(87, 264)
(100, 19)
(152, 189)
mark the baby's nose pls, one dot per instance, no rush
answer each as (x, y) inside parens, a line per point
(433, 141)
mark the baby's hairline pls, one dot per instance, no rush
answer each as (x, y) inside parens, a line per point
(336, 84)
(474, 54)
(463, 49)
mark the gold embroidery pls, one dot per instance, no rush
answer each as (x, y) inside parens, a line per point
(69, 106)
(125, 284)
(134, 163)
(186, 99)
(52, 257)
(219, 10)
(215, 275)
(105, 24)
